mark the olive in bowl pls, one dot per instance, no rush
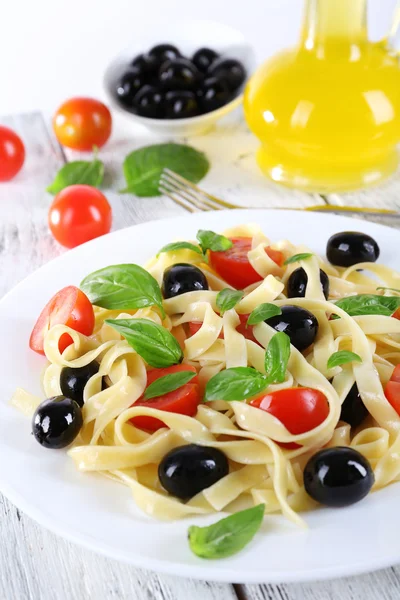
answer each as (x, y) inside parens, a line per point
(214, 75)
(179, 74)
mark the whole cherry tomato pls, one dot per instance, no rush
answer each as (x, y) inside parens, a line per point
(78, 214)
(81, 123)
(12, 153)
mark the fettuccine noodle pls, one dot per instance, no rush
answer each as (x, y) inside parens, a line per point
(261, 469)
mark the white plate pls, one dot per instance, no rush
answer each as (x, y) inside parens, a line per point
(99, 513)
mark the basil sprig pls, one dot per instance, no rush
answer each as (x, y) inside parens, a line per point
(143, 167)
(369, 304)
(155, 344)
(263, 312)
(227, 299)
(297, 257)
(78, 171)
(277, 357)
(209, 240)
(236, 383)
(342, 357)
(168, 383)
(122, 287)
(240, 383)
(180, 246)
(227, 536)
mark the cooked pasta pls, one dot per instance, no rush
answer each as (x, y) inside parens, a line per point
(266, 460)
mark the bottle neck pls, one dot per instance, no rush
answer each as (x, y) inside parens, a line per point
(335, 27)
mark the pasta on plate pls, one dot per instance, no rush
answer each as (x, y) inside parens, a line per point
(266, 459)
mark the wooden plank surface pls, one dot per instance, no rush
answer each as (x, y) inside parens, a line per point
(34, 563)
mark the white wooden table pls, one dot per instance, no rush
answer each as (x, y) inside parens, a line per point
(34, 563)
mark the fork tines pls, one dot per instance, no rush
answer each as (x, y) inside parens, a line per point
(188, 195)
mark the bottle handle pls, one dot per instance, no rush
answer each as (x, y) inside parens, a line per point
(392, 41)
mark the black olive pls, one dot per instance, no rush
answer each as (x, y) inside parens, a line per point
(128, 86)
(213, 93)
(187, 470)
(298, 323)
(229, 69)
(56, 422)
(179, 74)
(163, 52)
(146, 64)
(149, 102)
(338, 476)
(351, 247)
(73, 380)
(203, 58)
(297, 283)
(353, 408)
(181, 105)
(181, 278)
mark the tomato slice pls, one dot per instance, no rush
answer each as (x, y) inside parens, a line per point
(246, 331)
(234, 266)
(70, 307)
(392, 393)
(396, 374)
(396, 314)
(183, 401)
(299, 409)
(241, 328)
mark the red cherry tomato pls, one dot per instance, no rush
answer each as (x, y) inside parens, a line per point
(299, 409)
(183, 401)
(12, 154)
(234, 266)
(396, 374)
(81, 123)
(392, 389)
(68, 307)
(396, 314)
(241, 328)
(392, 393)
(78, 214)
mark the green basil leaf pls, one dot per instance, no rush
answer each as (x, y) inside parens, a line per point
(122, 287)
(263, 312)
(227, 536)
(143, 167)
(213, 241)
(79, 171)
(369, 304)
(297, 257)
(277, 357)
(341, 358)
(388, 289)
(237, 383)
(155, 344)
(168, 383)
(227, 299)
(180, 246)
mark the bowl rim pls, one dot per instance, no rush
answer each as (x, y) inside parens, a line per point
(198, 119)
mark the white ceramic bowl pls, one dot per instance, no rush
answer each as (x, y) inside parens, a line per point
(188, 36)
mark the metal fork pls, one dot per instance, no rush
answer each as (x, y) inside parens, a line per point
(194, 199)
